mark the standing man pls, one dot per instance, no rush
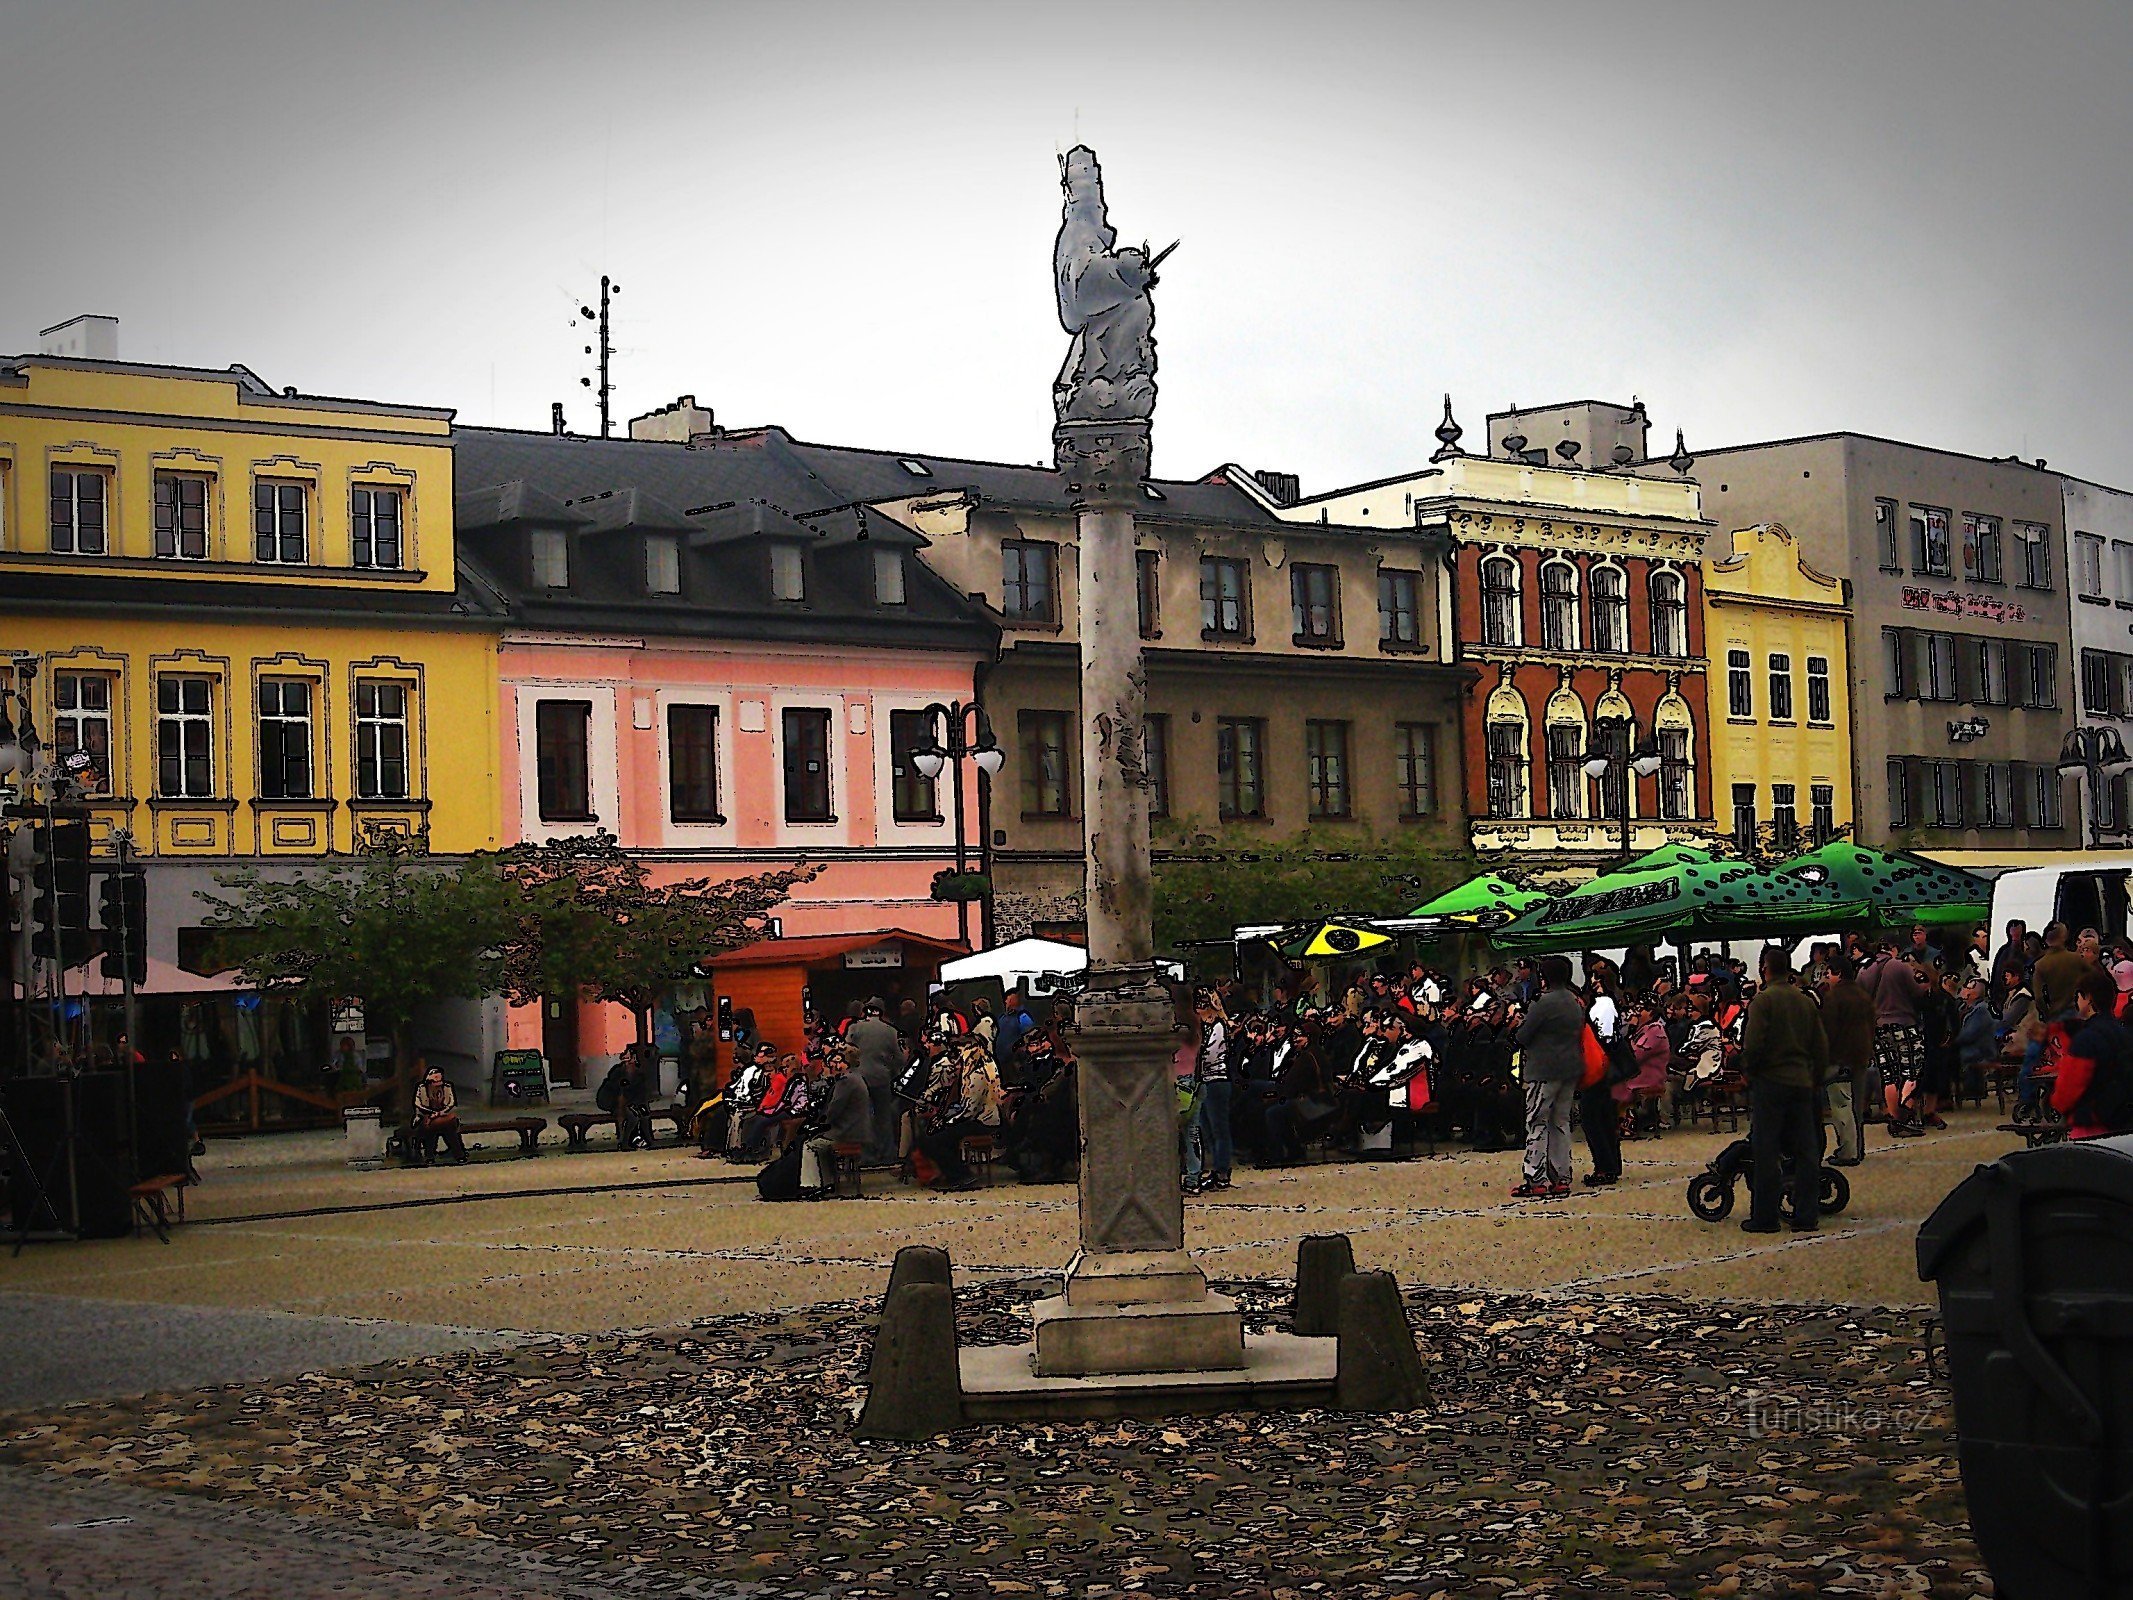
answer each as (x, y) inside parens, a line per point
(1551, 1045)
(2011, 957)
(1785, 1054)
(878, 1054)
(1848, 1022)
(1898, 991)
(2057, 976)
(1015, 1021)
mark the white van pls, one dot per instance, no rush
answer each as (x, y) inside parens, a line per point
(2087, 891)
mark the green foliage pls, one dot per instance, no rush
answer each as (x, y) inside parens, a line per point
(583, 914)
(966, 886)
(1206, 885)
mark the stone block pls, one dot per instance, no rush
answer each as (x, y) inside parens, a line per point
(1203, 1335)
(1379, 1367)
(914, 1383)
(1133, 1277)
(1323, 1260)
(920, 1263)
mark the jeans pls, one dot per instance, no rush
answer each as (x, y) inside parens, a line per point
(1548, 1131)
(1782, 1123)
(1603, 1135)
(1215, 1142)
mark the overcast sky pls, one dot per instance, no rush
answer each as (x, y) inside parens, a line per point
(1765, 219)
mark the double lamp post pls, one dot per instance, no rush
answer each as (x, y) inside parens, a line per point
(1613, 758)
(968, 737)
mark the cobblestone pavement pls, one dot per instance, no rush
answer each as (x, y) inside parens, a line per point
(56, 1348)
(61, 1541)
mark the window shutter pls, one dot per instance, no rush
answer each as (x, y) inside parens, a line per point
(1966, 674)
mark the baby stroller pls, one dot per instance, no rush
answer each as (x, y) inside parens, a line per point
(1711, 1190)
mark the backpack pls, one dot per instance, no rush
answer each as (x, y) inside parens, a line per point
(781, 1179)
(609, 1094)
(2108, 1100)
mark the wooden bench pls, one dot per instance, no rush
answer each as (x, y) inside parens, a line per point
(151, 1203)
(528, 1129)
(848, 1179)
(577, 1124)
(977, 1152)
(2036, 1133)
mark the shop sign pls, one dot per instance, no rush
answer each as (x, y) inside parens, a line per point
(1955, 603)
(887, 955)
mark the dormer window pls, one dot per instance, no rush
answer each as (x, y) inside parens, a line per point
(889, 577)
(917, 469)
(550, 552)
(788, 573)
(662, 564)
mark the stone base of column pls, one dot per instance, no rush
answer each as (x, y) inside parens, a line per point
(1200, 1335)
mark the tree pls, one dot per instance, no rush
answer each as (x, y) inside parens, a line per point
(585, 915)
(395, 928)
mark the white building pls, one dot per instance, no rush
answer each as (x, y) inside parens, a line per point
(2099, 536)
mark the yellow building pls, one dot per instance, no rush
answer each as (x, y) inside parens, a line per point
(1781, 740)
(239, 606)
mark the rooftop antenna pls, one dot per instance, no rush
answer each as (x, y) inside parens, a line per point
(605, 350)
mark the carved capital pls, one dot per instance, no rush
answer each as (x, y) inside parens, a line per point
(1104, 464)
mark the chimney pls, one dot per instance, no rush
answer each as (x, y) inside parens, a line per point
(1285, 488)
(83, 338)
(683, 422)
(555, 418)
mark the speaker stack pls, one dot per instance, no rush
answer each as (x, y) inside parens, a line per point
(73, 1133)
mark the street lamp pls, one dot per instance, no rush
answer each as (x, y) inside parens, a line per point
(1613, 756)
(2097, 754)
(968, 738)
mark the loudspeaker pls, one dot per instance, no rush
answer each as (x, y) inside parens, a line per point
(73, 1132)
(160, 1103)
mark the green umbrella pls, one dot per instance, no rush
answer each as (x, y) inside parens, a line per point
(1698, 896)
(1894, 886)
(1485, 901)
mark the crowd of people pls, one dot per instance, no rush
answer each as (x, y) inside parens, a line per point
(1885, 1031)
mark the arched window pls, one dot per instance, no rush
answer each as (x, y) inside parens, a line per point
(1610, 611)
(1505, 724)
(1559, 606)
(1566, 754)
(1614, 734)
(1675, 731)
(1499, 600)
(1670, 614)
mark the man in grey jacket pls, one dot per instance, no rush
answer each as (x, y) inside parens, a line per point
(849, 1120)
(878, 1052)
(1551, 1058)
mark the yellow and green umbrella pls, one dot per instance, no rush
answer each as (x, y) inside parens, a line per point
(1334, 939)
(1487, 901)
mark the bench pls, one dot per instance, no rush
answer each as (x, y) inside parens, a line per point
(2036, 1133)
(528, 1129)
(848, 1174)
(577, 1124)
(151, 1203)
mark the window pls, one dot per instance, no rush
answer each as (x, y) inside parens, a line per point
(662, 564)
(2036, 675)
(1744, 817)
(185, 731)
(1818, 705)
(1940, 667)
(374, 529)
(1414, 768)
(81, 725)
(692, 764)
(1158, 747)
(788, 572)
(889, 578)
(1240, 775)
(1929, 541)
(2035, 555)
(1399, 609)
(1148, 592)
(181, 516)
(1610, 610)
(807, 764)
(1044, 764)
(1566, 770)
(1326, 755)
(381, 770)
(1559, 606)
(1947, 792)
(1822, 812)
(561, 734)
(1899, 792)
(549, 551)
(1670, 614)
(280, 524)
(1780, 687)
(284, 739)
(1611, 738)
(78, 512)
(1740, 685)
(1225, 598)
(1992, 672)
(2122, 571)
(1315, 597)
(1784, 817)
(1995, 808)
(1676, 779)
(1896, 663)
(1029, 590)
(2088, 565)
(912, 794)
(1507, 769)
(2044, 809)
(1499, 601)
(1887, 536)
(1981, 548)
(2100, 684)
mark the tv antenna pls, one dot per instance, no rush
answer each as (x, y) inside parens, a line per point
(604, 349)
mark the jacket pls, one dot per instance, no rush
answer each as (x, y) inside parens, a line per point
(851, 1111)
(1974, 1042)
(1784, 1042)
(1896, 990)
(1848, 1022)
(2091, 1091)
(1551, 1039)
(877, 1051)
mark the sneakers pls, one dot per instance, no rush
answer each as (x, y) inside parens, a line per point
(1752, 1226)
(1599, 1180)
(1530, 1190)
(1935, 1121)
(1906, 1130)
(1559, 1191)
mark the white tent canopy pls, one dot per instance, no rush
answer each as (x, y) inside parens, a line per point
(1035, 966)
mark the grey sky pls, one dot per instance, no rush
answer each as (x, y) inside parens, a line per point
(1765, 219)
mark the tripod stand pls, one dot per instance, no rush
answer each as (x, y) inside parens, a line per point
(26, 1192)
